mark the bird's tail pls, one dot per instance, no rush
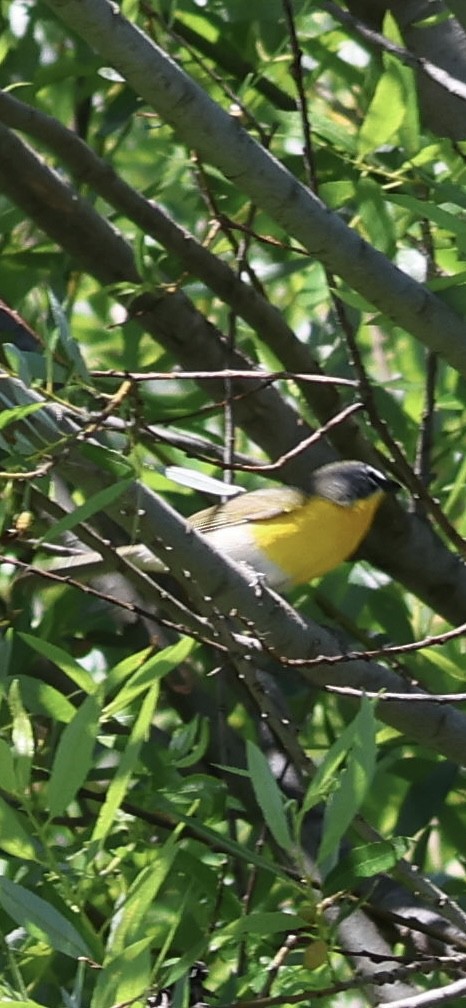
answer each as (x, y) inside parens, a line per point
(89, 564)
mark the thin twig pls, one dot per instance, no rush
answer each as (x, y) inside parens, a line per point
(302, 103)
(222, 373)
(381, 695)
(429, 999)
(383, 652)
(303, 445)
(422, 466)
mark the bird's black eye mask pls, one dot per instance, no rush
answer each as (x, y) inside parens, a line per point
(348, 482)
(381, 482)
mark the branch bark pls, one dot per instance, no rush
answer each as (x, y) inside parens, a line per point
(220, 140)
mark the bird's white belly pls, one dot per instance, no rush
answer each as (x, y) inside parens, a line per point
(235, 542)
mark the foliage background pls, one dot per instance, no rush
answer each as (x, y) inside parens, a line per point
(160, 802)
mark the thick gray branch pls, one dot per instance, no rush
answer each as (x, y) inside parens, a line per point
(218, 137)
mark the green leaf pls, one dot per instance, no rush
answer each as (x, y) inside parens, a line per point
(456, 491)
(46, 700)
(386, 111)
(178, 968)
(156, 667)
(9, 416)
(6, 647)
(324, 781)
(40, 919)
(62, 660)
(13, 836)
(445, 665)
(239, 851)
(122, 779)
(73, 757)
(126, 977)
(131, 923)
(354, 781)
(263, 923)
(365, 862)
(20, 1004)
(268, 796)
(409, 135)
(336, 194)
(189, 745)
(69, 346)
(375, 218)
(31, 367)
(22, 737)
(7, 768)
(120, 672)
(177, 971)
(110, 461)
(97, 502)
(445, 219)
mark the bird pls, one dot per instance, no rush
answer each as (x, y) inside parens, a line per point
(287, 536)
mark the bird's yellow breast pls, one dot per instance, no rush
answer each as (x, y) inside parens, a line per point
(309, 541)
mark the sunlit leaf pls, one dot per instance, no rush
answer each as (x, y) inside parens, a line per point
(268, 796)
(73, 756)
(40, 919)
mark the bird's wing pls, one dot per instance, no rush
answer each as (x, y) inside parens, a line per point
(256, 506)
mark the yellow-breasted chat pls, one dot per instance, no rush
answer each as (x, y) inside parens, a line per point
(287, 536)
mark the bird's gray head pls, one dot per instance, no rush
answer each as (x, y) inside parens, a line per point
(346, 482)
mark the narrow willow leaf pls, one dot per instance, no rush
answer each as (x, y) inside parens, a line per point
(44, 699)
(62, 660)
(41, 920)
(156, 667)
(324, 781)
(268, 796)
(20, 1004)
(73, 757)
(123, 775)
(7, 768)
(353, 784)
(196, 751)
(22, 737)
(9, 416)
(263, 923)
(68, 344)
(97, 502)
(125, 977)
(130, 925)
(125, 668)
(110, 461)
(366, 861)
(239, 851)
(13, 836)
(385, 113)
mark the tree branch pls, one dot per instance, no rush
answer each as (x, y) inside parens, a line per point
(221, 141)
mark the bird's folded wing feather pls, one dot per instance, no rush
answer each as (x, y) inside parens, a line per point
(256, 506)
